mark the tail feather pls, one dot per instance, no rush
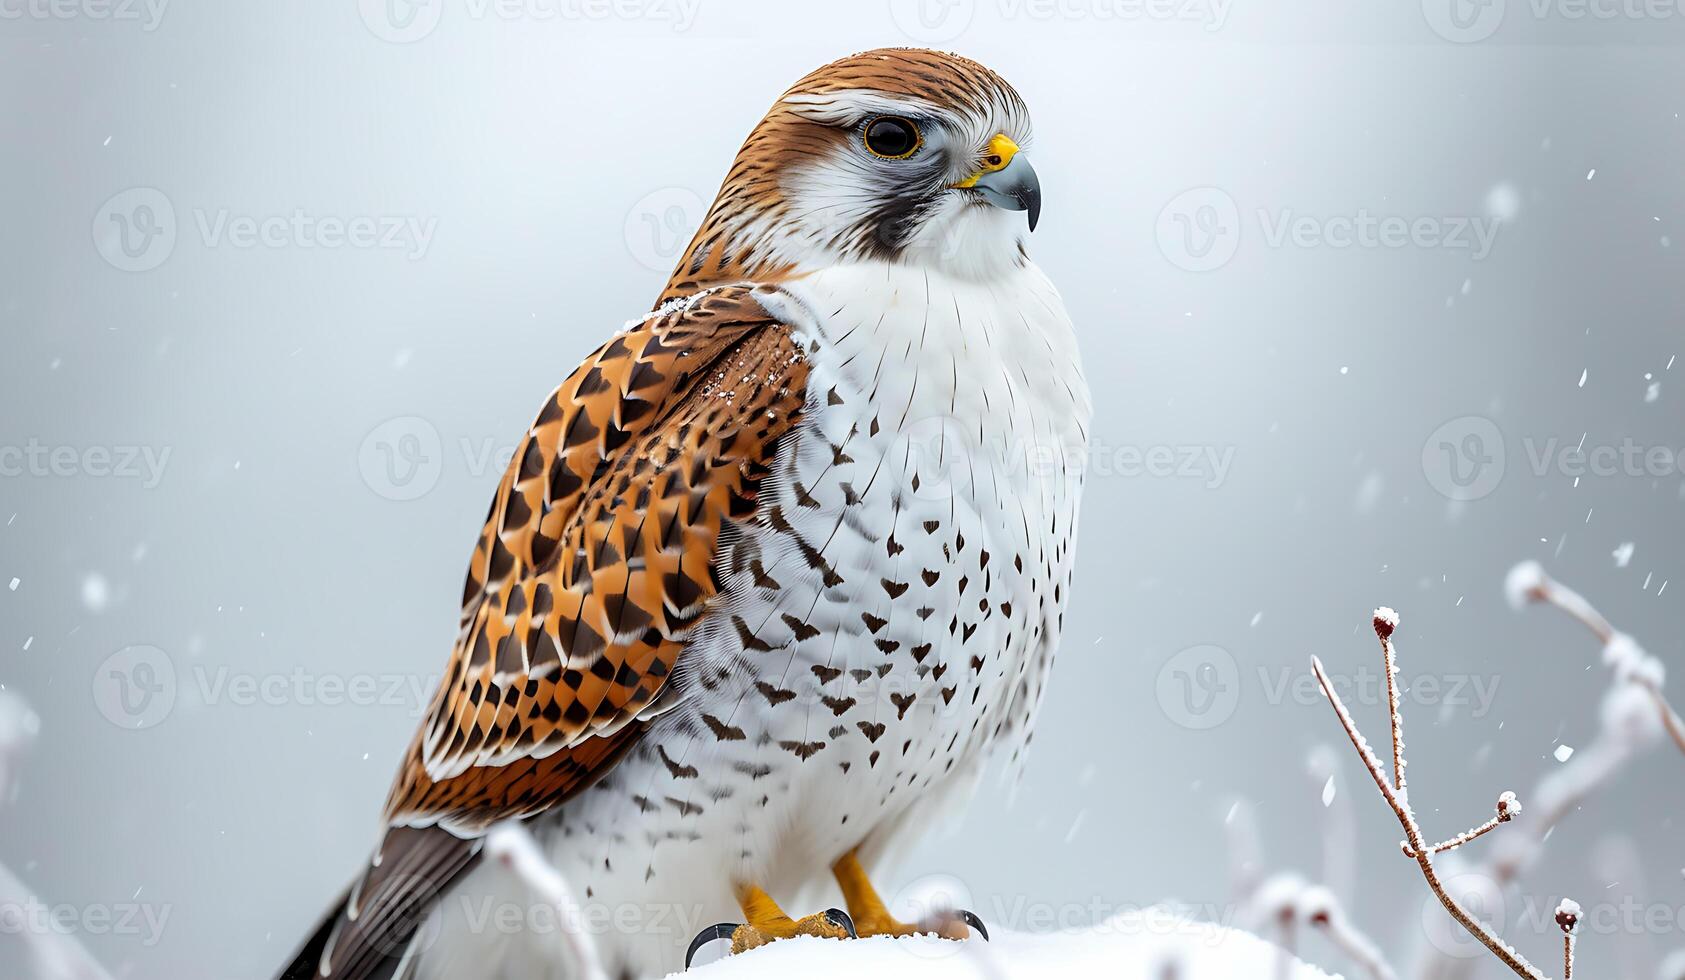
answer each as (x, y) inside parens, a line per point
(303, 966)
(365, 935)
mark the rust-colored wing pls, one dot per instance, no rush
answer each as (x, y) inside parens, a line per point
(595, 562)
(597, 557)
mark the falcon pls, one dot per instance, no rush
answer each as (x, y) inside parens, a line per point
(773, 574)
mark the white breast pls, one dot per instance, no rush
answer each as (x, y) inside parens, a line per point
(915, 556)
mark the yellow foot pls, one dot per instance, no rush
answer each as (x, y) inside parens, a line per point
(832, 924)
(871, 918)
(767, 922)
(866, 916)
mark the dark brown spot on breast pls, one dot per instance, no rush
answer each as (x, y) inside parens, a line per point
(802, 750)
(773, 695)
(838, 705)
(722, 731)
(801, 630)
(677, 771)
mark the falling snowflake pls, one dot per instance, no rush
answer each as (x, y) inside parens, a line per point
(96, 594)
(1503, 201)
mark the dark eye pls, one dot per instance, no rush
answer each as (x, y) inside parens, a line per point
(892, 137)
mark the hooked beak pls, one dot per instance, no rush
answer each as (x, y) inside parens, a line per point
(1007, 180)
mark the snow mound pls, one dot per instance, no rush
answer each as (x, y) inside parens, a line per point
(1152, 945)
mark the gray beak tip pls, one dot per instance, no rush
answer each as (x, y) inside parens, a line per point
(1014, 188)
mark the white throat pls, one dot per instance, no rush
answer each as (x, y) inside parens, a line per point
(999, 349)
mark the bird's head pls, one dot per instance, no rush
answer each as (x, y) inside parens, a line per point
(899, 154)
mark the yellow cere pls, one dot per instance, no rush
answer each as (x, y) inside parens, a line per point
(1000, 152)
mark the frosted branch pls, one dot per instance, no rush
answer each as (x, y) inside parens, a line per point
(1527, 582)
(1339, 830)
(1320, 908)
(1246, 853)
(1568, 920)
(1508, 808)
(56, 955)
(1385, 622)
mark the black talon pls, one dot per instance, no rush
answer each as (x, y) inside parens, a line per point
(970, 918)
(841, 920)
(721, 930)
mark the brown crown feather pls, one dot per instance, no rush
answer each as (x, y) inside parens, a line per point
(753, 194)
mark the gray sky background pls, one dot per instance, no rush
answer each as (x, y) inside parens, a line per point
(1352, 281)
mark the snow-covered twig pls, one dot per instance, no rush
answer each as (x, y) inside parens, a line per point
(1416, 846)
(1276, 904)
(1322, 910)
(1508, 807)
(1568, 920)
(1386, 620)
(18, 727)
(1527, 582)
(1285, 900)
(1627, 725)
(1246, 853)
(56, 955)
(1339, 827)
(511, 845)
